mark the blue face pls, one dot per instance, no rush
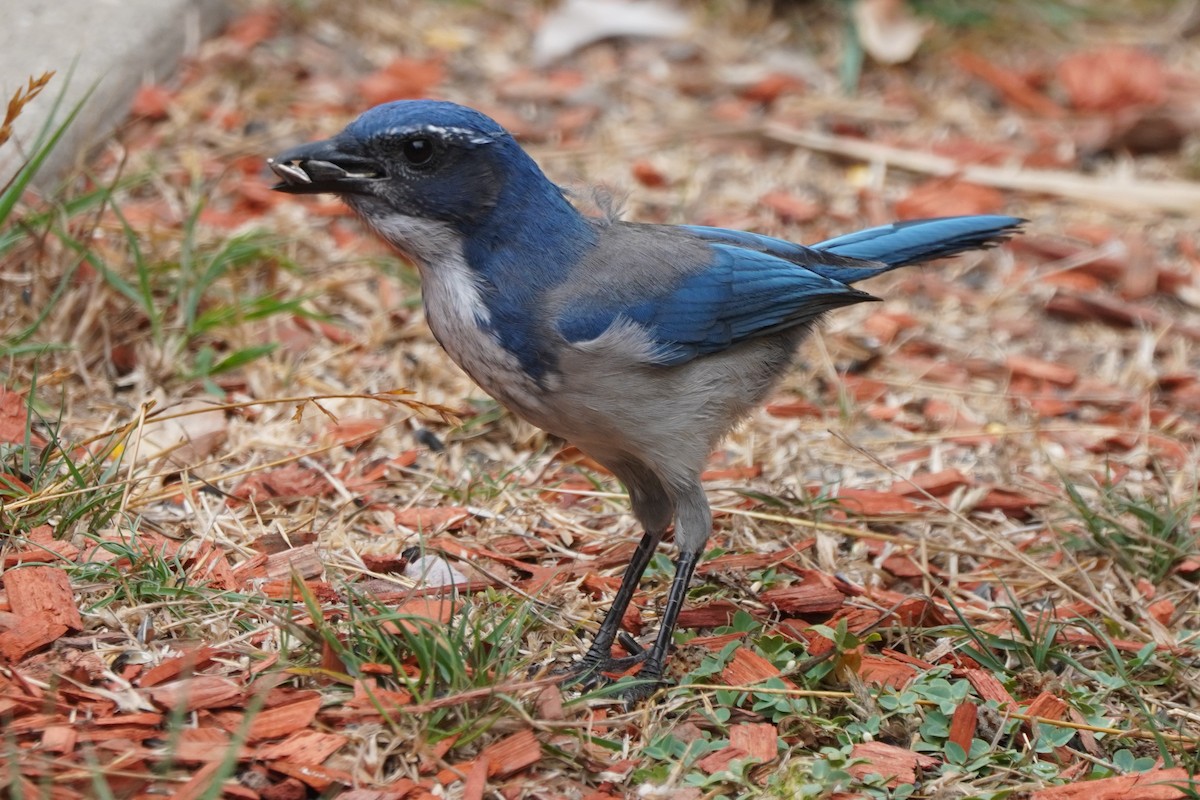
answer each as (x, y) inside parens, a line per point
(441, 162)
(421, 158)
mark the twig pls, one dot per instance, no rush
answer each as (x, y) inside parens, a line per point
(1177, 196)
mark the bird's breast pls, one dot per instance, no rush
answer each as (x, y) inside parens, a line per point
(461, 323)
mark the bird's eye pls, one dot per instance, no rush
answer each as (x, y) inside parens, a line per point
(417, 151)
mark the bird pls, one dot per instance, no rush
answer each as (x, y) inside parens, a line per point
(641, 344)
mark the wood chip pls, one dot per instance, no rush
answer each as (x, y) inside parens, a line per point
(512, 754)
(201, 745)
(172, 668)
(747, 668)
(798, 599)
(200, 783)
(871, 503)
(476, 783)
(30, 635)
(318, 777)
(896, 764)
(1038, 369)
(963, 724)
(1155, 784)
(304, 747)
(721, 759)
(34, 591)
(431, 520)
(277, 721)
(197, 692)
(42, 546)
(938, 484)
(760, 740)
(424, 611)
(883, 671)
(59, 739)
(303, 561)
(712, 615)
(988, 687)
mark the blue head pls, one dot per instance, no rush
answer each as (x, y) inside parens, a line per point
(446, 184)
(423, 159)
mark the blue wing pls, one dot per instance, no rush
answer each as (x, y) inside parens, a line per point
(757, 285)
(742, 294)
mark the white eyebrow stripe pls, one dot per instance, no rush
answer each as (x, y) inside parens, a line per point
(448, 132)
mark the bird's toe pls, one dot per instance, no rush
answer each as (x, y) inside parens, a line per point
(590, 672)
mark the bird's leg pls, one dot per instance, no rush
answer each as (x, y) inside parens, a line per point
(693, 525)
(649, 677)
(598, 659)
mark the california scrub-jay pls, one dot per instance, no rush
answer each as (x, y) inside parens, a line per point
(641, 344)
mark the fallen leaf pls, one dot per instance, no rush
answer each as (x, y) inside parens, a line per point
(791, 209)
(575, 24)
(948, 197)
(938, 484)
(14, 419)
(1015, 89)
(870, 503)
(288, 483)
(431, 519)
(152, 101)
(401, 79)
(1112, 78)
(254, 27)
(1038, 369)
(645, 173)
(888, 29)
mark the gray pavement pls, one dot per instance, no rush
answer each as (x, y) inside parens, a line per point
(114, 46)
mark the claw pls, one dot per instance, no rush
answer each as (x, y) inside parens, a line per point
(639, 690)
(591, 672)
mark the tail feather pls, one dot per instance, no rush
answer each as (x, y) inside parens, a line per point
(913, 241)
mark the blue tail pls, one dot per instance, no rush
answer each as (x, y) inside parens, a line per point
(917, 240)
(886, 247)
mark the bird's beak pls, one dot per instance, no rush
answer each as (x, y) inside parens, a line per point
(324, 167)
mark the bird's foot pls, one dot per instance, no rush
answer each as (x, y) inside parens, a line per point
(629, 690)
(591, 671)
(597, 669)
(597, 665)
(636, 689)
